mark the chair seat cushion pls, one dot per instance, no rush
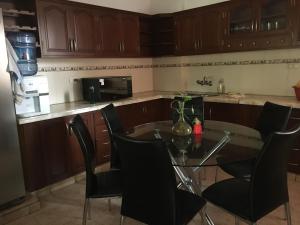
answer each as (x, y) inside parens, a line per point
(187, 206)
(232, 195)
(108, 184)
(241, 169)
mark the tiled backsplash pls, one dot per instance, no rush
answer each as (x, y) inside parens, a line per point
(260, 72)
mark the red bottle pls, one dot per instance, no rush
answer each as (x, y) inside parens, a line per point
(197, 129)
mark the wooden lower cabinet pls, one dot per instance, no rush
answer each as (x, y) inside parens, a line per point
(247, 115)
(51, 153)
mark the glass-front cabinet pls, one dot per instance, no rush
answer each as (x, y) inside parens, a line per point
(274, 15)
(241, 17)
(259, 24)
(259, 16)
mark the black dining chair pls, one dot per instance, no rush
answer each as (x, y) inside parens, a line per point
(272, 118)
(150, 194)
(193, 108)
(98, 185)
(114, 125)
(267, 188)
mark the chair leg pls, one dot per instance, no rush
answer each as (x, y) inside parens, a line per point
(202, 216)
(122, 220)
(109, 204)
(288, 213)
(89, 214)
(237, 221)
(216, 175)
(85, 209)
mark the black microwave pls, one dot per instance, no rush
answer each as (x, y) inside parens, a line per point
(98, 89)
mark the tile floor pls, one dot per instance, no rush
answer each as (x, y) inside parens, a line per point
(65, 207)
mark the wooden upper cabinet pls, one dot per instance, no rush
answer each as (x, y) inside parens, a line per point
(82, 26)
(130, 30)
(212, 31)
(118, 34)
(109, 34)
(296, 22)
(66, 30)
(241, 17)
(186, 42)
(199, 31)
(54, 29)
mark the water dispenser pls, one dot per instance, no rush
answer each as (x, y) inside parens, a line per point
(24, 44)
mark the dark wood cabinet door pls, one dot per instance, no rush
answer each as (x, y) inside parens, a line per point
(32, 156)
(212, 31)
(186, 42)
(83, 21)
(130, 33)
(54, 29)
(110, 34)
(296, 22)
(54, 134)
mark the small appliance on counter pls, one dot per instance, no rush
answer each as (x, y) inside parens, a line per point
(36, 99)
(98, 89)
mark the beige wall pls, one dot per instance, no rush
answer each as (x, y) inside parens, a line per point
(151, 6)
(63, 88)
(265, 79)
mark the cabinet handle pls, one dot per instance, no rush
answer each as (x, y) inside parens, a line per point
(68, 129)
(268, 42)
(195, 45)
(106, 143)
(254, 43)
(200, 44)
(106, 156)
(104, 131)
(123, 44)
(210, 114)
(70, 45)
(120, 47)
(282, 41)
(75, 45)
(229, 45)
(241, 44)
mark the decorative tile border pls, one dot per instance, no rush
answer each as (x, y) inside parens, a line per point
(170, 65)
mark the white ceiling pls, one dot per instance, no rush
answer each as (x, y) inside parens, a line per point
(151, 6)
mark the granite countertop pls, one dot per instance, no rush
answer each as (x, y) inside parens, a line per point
(67, 109)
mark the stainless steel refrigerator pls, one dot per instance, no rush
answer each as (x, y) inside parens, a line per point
(11, 174)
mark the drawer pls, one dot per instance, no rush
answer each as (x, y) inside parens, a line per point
(98, 118)
(103, 150)
(101, 132)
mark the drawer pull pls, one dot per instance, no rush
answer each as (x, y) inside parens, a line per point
(295, 149)
(106, 156)
(294, 164)
(268, 42)
(294, 118)
(254, 43)
(104, 131)
(106, 143)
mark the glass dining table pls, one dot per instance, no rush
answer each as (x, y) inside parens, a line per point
(231, 142)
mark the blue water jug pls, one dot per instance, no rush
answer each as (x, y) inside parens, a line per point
(24, 44)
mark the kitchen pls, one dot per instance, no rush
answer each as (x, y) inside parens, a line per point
(255, 68)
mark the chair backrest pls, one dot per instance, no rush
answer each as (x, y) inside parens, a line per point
(273, 118)
(192, 109)
(114, 125)
(148, 181)
(269, 177)
(87, 147)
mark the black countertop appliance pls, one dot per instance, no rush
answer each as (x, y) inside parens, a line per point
(99, 89)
